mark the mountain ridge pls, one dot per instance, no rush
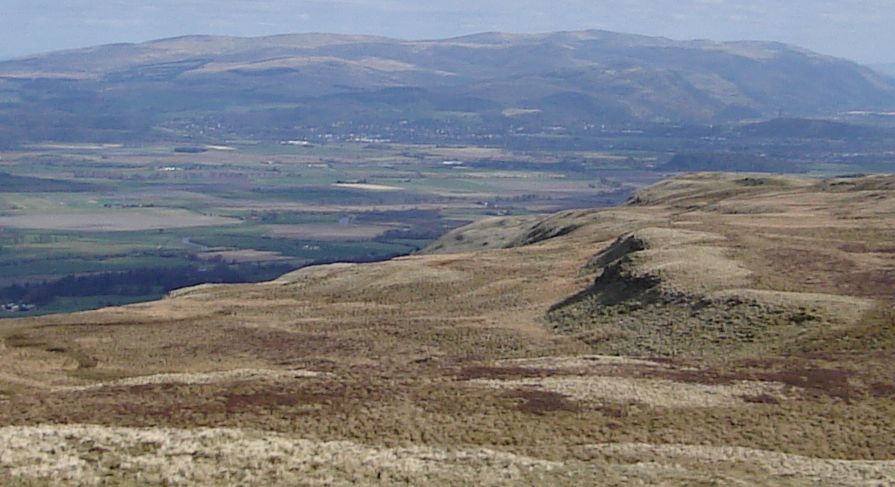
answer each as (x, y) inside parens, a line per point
(887, 69)
(562, 78)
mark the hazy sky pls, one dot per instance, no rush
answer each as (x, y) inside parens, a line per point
(858, 29)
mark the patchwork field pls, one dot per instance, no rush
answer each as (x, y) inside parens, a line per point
(119, 221)
(329, 231)
(70, 211)
(715, 330)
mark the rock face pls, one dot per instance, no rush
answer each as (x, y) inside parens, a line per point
(728, 325)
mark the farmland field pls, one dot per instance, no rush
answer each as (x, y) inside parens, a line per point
(99, 213)
(251, 209)
(119, 221)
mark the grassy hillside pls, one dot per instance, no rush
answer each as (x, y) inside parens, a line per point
(716, 329)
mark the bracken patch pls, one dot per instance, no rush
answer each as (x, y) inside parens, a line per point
(543, 402)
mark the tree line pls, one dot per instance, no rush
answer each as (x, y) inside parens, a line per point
(138, 282)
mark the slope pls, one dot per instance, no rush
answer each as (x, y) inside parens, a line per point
(716, 329)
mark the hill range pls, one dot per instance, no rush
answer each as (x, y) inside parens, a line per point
(716, 329)
(276, 85)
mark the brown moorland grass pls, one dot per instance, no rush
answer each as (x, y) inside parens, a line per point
(746, 338)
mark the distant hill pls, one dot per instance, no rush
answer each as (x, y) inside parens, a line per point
(887, 69)
(802, 128)
(261, 85)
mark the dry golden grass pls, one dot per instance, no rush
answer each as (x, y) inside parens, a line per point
(651, 392)
(198, 378)
(744, 323)
(85, 455)
(800, 469)
(92, 455)
(490, 233)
